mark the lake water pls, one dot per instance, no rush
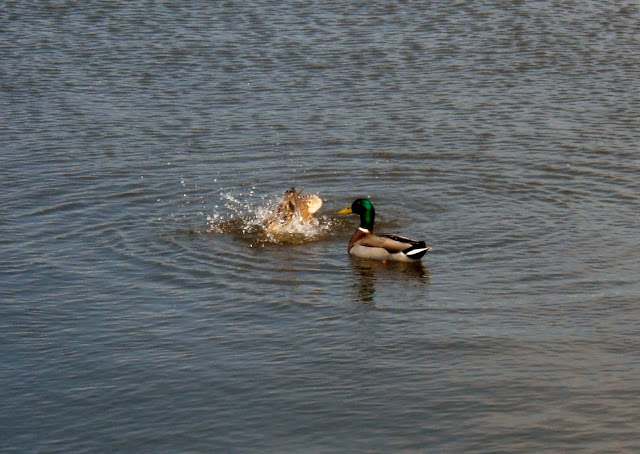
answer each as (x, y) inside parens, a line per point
(142, 312)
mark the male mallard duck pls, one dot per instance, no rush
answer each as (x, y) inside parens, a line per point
(365, 244)
(293, 207)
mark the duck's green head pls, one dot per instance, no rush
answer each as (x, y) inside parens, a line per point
(364, 208)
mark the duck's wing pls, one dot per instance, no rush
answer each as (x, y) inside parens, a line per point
(311, 203)
(401, 239)
(392, 243)
(411, 248)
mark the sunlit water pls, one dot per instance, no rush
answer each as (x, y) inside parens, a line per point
(145, 310)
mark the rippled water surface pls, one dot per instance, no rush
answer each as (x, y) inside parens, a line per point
(143, 310)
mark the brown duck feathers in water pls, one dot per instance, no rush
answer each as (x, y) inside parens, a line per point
(293, 207)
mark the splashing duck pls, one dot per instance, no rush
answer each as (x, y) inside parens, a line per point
(293, 208)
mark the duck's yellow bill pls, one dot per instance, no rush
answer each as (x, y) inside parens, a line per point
(345, 211)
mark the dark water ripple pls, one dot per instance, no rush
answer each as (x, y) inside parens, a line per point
(505, 134)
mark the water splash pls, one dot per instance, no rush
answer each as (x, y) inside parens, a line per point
(247, 219)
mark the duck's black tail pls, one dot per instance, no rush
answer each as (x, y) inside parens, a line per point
(417, 251)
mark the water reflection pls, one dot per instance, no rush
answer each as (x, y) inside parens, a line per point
(370, 272)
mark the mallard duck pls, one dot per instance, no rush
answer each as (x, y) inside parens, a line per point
(366, 245)
(294, 207)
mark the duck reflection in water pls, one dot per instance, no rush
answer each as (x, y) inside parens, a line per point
(370, 272)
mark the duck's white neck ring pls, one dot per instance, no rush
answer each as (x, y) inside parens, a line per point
(363, 230)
